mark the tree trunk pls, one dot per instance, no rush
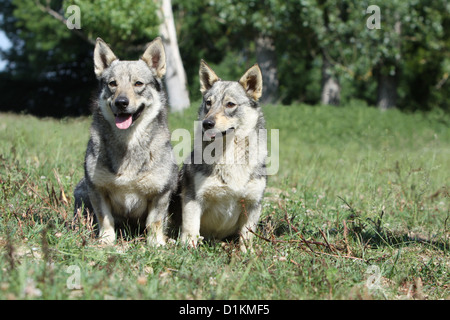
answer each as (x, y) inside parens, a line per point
(387, 91)
(176, 81)
(388, 76)
(331, 89)
(267, 61)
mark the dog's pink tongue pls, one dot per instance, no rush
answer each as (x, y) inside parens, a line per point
(124, 121)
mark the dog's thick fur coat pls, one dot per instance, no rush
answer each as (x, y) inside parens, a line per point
(130, 171)
(222, 196)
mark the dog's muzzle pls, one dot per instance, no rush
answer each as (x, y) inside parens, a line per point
(124, 119)
(210, 133)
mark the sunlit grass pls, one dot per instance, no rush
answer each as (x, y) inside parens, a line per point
(356, 188)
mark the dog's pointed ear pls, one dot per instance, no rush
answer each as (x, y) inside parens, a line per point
(155, 57)
(103, 57)
(252, 82)
(207, 77)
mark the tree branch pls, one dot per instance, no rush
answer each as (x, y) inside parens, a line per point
(59, 17)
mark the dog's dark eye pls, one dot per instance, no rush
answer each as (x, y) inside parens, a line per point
(138, 84)
(208, 103)
(231, 104)
(112, 83)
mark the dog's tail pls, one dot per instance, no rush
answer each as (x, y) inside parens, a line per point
(175, 212)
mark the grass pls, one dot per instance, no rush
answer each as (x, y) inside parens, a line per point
(359, 209)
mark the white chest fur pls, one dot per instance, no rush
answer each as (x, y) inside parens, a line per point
(224, 196)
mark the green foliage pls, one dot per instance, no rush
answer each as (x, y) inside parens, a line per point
(47, 57)
(107, 19)
(412, 45)
(41, 31)
(305, 30)
(412, 41)
(125, 24)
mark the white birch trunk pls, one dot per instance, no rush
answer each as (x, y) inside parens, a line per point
(176, 81)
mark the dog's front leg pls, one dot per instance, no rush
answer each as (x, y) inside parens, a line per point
(102, 211)
(248, 221)
(190, 229)
(156, 220)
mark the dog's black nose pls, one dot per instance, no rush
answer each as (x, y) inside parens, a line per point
(122, 102)
(208, 124)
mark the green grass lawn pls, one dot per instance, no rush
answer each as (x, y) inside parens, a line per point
(359, 209)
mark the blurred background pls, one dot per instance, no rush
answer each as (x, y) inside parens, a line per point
(310, 51)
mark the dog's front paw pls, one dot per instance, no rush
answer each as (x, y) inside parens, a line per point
(107, 239)
(192, 241)
(246, 247)
(156, 241)
(107, 234)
